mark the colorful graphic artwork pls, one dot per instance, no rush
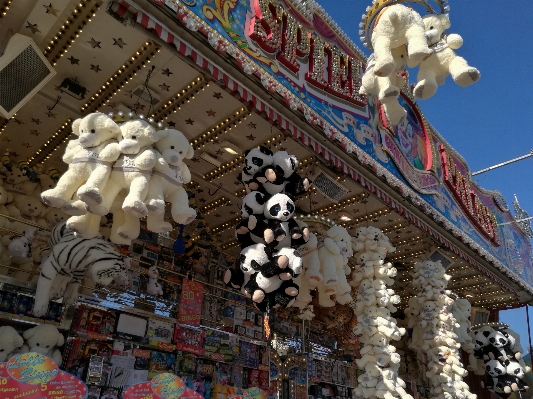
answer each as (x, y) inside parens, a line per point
(35, 376)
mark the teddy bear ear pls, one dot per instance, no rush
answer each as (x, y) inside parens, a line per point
(76, 127)
(157, 135)
(190, 152)
(18, 341)
(28, 334)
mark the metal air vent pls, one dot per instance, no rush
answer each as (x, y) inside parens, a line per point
(150, 96)
(444, 260)
(479, 316)
(328, 187)
(23, 72)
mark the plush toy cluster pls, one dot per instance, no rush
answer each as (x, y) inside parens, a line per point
(268, 233)
(128, 169)
(436, 331)
(376, 327)
(402, 36)
(501, 354)
(44, 339)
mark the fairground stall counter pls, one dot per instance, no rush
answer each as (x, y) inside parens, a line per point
(277, 76)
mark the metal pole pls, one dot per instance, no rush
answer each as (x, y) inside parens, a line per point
(528, 330)
(504, 163)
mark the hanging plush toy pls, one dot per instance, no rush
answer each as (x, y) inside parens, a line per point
(253, 204)
(396, 26)
(166, 184)
(93, 154)
(443, 61)
(255, 160)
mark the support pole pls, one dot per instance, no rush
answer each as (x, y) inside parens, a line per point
(528, 331)
(504, 163)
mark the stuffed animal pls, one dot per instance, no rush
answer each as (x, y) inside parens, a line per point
(10, 340)
(443, 61)
(93, 154)
(94, 256)
(281, 177)
(514, 379)
(44, 339)
(51, 217)
(255, 160)
(123, 279)
(283, 230)
(331, 257)
(30, 208)
(166, 184)
(387, 88)
(500, 341)
(131, 172)
(6, 208)
(18, 182)
(398, 25)
(252, 204)
(153, 287)
(311, 261)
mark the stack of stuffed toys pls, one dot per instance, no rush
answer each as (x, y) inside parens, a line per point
(129, 170)
(501, 354)
(43, 339)
(376, 328)
(268, 232)
(435, 331)
(400, 35)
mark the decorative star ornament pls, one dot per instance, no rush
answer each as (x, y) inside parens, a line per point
(251, 137)
(33, 27)
(189, 121)
(218, 96)
(195, 160)
(50, 114)
(94, 43)
(119, 42)
(219, 152)
(73, 61)
(34, 132)
(171, 124)
(166, 72)
(51, 10)
(95, 68)
(164, 87)
(18, 121)
(211, 113)
(27, 145)
(252, 125)
(36, 121)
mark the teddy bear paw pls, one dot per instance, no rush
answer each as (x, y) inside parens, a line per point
(90, 195)
(258, 296)
(467, 77)
(385, 67)
(51, 200)
(136, 209)
(39, 309)
(73, 210)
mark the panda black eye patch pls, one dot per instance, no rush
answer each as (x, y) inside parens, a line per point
(257, 161)
(274, 210)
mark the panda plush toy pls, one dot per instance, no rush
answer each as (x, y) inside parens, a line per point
(255, 160)
(515, 376)
(281, 176)
(252, 204)
(252, 259)
(500, 341)
(283, 230)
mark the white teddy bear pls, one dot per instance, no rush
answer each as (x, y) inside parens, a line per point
(311, 261)
(10, 340)
(166, 184)
(387, 88)
(19, 183)
(398, 25)
(92, 156)
(443, 61)
(44, 339)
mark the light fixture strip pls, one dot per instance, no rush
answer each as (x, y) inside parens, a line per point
(339, 206)
(368, 216)
(184, 95)
(121, 77)
(211, 206)
(71, 29)
(59, 137)
(223, 126)
(4, 8)
(226, 225)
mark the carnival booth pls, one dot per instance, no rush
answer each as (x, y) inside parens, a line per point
(234, 194)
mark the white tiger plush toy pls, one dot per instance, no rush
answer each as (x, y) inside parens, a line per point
(70, 259)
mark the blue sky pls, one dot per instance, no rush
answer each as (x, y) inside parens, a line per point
(491, 121)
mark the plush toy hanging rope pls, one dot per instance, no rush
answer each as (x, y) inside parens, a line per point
(433, 331)
(376, 328)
